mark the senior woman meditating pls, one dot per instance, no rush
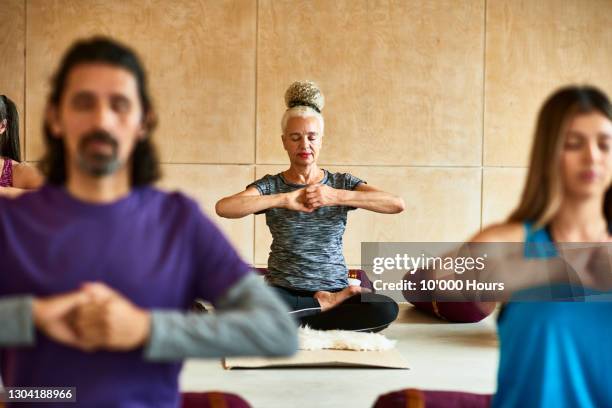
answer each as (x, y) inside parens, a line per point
(306, 210)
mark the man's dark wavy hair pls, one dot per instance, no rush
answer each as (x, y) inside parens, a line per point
(144, 162)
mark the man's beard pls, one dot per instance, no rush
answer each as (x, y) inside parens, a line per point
(98, 164)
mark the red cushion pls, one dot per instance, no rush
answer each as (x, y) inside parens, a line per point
(212, 399)
(457, 312)
(413, 398)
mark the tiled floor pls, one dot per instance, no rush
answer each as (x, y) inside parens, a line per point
(441, 355)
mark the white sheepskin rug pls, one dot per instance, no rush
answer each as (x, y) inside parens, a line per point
(343, 340)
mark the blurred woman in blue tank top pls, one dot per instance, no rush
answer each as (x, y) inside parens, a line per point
(559, 354)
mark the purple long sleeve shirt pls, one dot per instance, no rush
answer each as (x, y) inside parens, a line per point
(156, 248)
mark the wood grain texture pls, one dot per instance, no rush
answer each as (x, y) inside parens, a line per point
(200, 56)
(533, 48)
(12, 58)
(502, 189)
(402, 80)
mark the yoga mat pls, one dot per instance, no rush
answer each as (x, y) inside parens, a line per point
(323, 358)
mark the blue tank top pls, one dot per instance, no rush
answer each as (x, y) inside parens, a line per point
(554, 354)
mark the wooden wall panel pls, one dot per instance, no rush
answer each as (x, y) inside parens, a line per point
(533, 48)
(501, 193)
(12, 57)
(402, 79)
(200, 55)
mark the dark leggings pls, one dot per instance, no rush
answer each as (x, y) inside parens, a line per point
(366, 312)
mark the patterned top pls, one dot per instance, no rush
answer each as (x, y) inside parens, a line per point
(6, 177)
(306, 251)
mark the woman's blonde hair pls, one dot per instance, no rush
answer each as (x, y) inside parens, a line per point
(303, 99)
(543, 191)
(301, 112)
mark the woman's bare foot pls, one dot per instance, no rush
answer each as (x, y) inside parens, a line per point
(327, 300)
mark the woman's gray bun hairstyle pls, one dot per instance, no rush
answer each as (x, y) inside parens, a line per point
(304, 93)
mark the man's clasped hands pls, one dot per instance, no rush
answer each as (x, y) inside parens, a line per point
(94, 317)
